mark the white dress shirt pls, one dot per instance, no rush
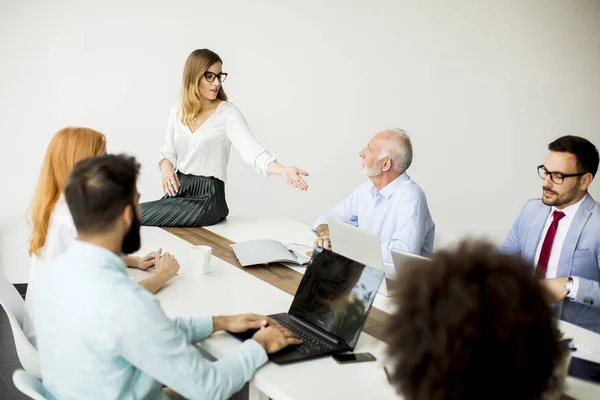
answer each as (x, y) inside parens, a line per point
(61, 234)
(561, 233)
(398, 214)
(206, 151)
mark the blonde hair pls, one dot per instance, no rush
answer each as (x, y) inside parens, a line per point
(67, 147)
(198, 62)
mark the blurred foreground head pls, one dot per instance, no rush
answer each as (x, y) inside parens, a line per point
(472, 324)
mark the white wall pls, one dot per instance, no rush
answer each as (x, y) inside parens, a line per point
(482, 87)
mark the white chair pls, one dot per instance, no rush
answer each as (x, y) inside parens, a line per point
(13, 304)
(29, 385)
(444, 241)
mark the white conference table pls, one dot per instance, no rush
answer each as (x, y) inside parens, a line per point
(229, 290)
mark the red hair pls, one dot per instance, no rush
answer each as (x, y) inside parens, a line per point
(67, 148)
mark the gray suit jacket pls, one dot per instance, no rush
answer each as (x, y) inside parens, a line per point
(580, 256)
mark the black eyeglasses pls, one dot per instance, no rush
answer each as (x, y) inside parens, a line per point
(210, 76)
(556, 177)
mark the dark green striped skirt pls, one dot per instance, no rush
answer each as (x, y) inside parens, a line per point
(199, 202)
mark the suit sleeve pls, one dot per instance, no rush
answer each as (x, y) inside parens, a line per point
(511, 244)
(587, 291)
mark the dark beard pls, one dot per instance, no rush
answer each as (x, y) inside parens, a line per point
(132, 240)
(560, 201)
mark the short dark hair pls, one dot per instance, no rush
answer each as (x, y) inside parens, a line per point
(585, 152)
(472, 324)
(99, 189)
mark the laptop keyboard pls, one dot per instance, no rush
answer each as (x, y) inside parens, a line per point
(311, 344)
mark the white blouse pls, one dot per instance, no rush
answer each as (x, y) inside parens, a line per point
(61, 234)
(206, 151)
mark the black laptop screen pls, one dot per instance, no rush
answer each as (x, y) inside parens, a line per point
(336, 294)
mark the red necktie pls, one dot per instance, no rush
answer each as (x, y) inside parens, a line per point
(542, 266)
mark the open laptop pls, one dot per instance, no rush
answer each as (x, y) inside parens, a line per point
(402, 258)
(365, 247)
(358, 244)
(330, 307)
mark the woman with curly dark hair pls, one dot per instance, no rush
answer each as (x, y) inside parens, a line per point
(473, 324)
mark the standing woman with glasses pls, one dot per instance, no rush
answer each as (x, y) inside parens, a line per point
(193, 161)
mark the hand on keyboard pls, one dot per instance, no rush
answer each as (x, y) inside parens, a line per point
(311, 344)
(274, 338)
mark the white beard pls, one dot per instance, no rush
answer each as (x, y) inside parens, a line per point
(373, 171)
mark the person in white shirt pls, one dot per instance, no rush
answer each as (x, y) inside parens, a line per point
(52, 227)
(193, 161)
(389, 203)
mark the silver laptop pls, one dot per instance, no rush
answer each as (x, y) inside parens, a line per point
(402, 258)
(365, 247)
(358, 245)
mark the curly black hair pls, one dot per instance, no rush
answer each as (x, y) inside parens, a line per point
(472, 324)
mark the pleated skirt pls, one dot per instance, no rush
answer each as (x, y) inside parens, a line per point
(199, 202)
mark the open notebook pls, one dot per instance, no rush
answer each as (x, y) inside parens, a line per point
(265, 251)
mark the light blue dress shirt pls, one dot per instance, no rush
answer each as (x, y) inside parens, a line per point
(398, 214)
(103, 336)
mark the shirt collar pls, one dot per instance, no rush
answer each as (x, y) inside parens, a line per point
(571, 210)
(100, 256)
(391, 187)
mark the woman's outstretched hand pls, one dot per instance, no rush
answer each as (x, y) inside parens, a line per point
(293, 177)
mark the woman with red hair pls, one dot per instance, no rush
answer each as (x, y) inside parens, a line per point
(52, 227)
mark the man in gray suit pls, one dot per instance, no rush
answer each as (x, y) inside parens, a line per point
(560, 233)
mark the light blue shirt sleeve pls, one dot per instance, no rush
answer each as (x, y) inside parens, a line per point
(195, 329)
(346, 211)
(410, 231)
(143, 335)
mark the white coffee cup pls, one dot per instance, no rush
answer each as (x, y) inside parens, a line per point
(200, 257)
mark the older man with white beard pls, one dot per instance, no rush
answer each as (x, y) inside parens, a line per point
(388, 204)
